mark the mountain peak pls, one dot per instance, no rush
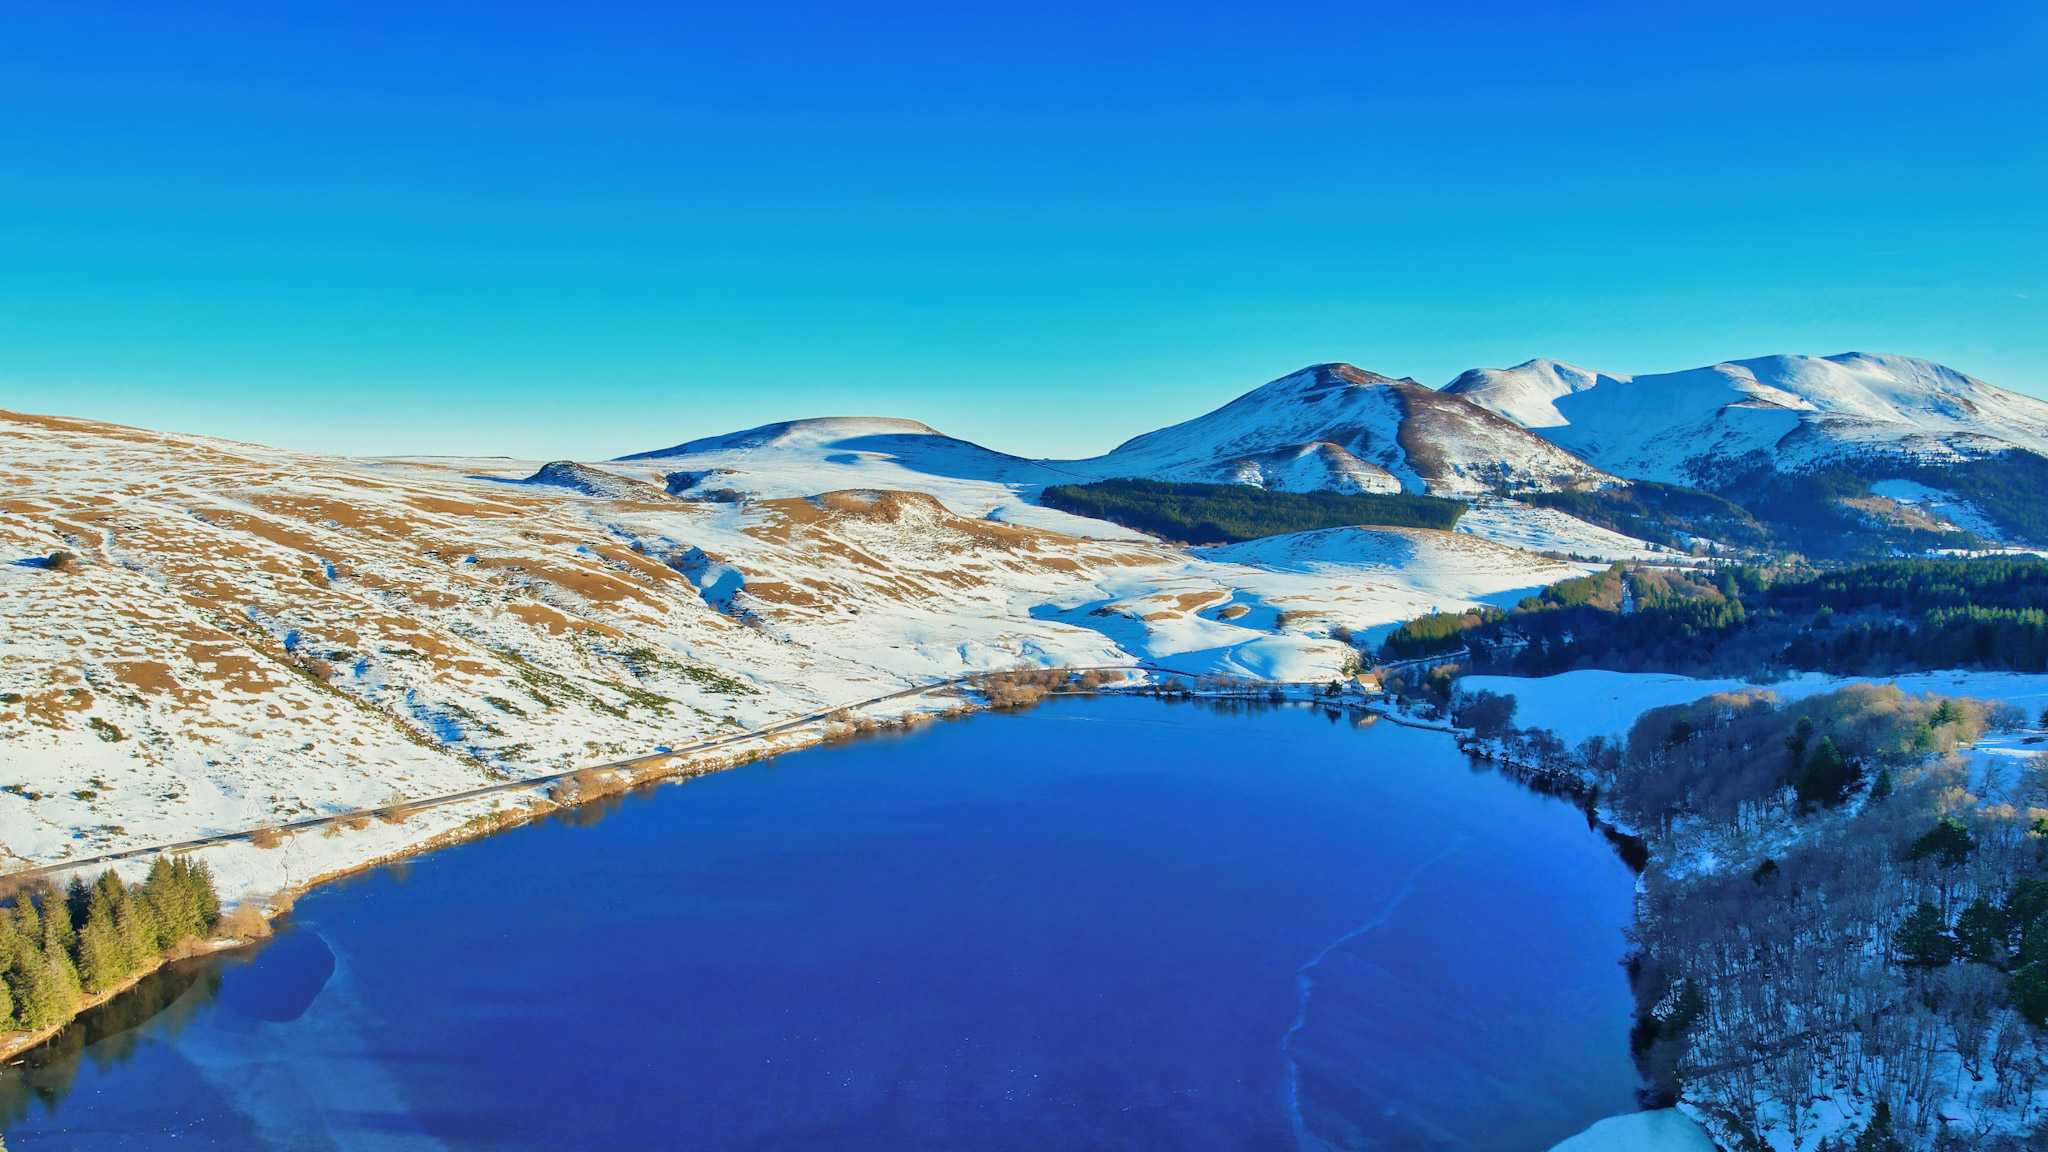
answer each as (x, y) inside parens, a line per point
(1799, 412)
(815, 431)
(1341, 427)
(1527, 393)
(1337, 374)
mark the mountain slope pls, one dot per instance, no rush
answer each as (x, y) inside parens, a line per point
(1337, 427)
(1789, 413)
(847, 439)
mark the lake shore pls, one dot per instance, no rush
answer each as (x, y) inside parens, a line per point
(1157, 754)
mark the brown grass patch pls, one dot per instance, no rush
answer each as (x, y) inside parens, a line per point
(778, 592)
(148, 675)
(267, 837)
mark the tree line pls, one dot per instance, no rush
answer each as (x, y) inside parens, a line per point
(1879, 618)
(58, 945)
(1229, 513)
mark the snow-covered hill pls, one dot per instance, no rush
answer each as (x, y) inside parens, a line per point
(1333, 426)
(1795, 413)
(824, 454)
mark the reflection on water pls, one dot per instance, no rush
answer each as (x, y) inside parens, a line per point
(165, 999)
(1104, 924)
(281, 980)
(274, 980)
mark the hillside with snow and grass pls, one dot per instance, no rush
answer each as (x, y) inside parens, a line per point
(206, 637)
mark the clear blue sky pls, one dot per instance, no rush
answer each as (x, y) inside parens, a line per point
(594, 228)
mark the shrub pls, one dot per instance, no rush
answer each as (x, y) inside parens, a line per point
(1487, 714)
(245, 921)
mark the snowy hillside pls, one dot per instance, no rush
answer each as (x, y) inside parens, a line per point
(1527, 393)
(1799, 413)
(1337, 427)
(804, 457)
(232, 636)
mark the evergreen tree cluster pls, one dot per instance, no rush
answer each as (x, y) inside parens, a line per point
(1880, 618)
(1661, 513)
(1228, 513)
(55, 945)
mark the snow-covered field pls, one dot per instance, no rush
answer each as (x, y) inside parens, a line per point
(1664, 1130)
(1592, 702)
(1518, 525)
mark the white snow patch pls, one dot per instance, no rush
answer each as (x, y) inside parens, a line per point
(1663, 1130)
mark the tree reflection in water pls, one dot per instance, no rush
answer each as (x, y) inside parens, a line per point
(110, 1034)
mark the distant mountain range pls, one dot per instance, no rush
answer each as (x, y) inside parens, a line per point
(1796, 413)
(1828, 455)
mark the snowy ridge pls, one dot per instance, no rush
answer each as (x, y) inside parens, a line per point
(1363, 432)
(1796, 413)
(1527, 393)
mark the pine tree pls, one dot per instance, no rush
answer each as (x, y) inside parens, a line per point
(102, 961)
(48, 997)
(58, 930)
(26, 923)
(79, 897)
(170, 897)
(138, 934)
(1946, 713)
(110, 889)
(1949, 842)
(1882, 787)
(1802, 735)
(1923, 939)
(2026, 904)
(1982, 934)
(200, 877)
(1827, 776)
(59, 938)
(2029, 990)
(1878, 1136)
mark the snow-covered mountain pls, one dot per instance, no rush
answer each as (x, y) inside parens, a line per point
(1334, 426)
(1795, 413)
(914, 445)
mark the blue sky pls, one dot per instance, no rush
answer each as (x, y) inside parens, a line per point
(583, 230)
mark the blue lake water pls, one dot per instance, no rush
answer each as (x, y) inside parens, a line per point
(1100, 924)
